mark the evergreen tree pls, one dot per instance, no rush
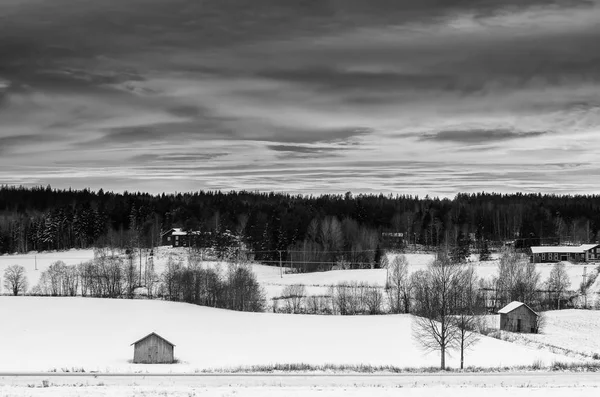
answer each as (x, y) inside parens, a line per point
(484, 251)
(461, 251)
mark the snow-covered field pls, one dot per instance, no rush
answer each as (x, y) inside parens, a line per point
(274, 391)
(43, 334)
(573, 332)
(41, 261)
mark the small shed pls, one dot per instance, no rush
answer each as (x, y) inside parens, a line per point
(518, 317)
(153, 349)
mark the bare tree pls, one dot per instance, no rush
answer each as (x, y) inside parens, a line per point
(399, 285)
(540, 322)
(518, 279)
(15, 279)
(558, 282)
(294, 296)
(434, 291)
(466, 319)
(373, 299)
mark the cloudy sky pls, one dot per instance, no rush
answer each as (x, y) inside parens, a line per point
(305, 96)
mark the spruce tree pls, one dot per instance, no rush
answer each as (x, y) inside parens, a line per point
(484, 252)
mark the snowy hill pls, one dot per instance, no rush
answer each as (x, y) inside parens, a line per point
(43, 334)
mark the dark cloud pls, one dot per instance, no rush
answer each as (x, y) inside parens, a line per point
(296, 151)
(479, 136)
(175, 157)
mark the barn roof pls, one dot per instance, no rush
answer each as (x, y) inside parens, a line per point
(173, 229)
(565, 249)
(149, 335)
(512, 306)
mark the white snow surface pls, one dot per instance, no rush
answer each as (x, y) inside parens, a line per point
(571, 330)
(307, 391)
(44, 334)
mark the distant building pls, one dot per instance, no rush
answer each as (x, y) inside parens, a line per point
(575, 253)
(518, 317)
(392, 240)
(153, 349)
(177, 237)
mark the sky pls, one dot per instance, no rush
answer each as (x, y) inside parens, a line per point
(419, 97)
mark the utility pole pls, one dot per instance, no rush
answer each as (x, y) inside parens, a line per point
(585, 289)
(35, 259)
(280, 267)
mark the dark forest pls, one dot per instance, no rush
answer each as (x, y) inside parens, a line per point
(50, 219)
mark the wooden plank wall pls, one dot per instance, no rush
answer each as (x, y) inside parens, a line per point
(153, 350)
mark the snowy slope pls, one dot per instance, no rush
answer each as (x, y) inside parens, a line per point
(41, 334)
(568, 330)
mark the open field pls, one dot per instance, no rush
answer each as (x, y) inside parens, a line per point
(278, 391)
(505, 384)
(74, 334)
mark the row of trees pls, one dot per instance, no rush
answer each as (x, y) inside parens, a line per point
(112, 274)
(235, 289)
(45, 218)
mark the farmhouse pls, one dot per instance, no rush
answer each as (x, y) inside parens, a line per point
(518, 317)
(575, 253)
(153, 349)
(392, 240)
(177, 237)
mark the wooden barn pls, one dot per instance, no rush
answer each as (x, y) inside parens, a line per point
(153, 349)
(571, 253)
(518, 317)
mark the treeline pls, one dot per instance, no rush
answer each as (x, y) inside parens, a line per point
(516, 279)
(114, 274)
(320, 227)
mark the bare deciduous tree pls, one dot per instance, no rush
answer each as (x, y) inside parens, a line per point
(466, 319)
(435, 293)
(518, 279)
(294, 297)
(15, 279)
(399, 284)
(558, 282)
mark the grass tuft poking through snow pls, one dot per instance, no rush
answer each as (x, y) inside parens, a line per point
(372, 369)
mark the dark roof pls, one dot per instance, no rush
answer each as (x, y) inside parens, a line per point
(149, 335)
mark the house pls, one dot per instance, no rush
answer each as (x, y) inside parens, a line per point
(518, 317)
(153, 349)
(574, 253)
(177, 237)
(392, 240)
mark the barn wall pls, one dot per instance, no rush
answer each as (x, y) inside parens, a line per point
(509, 322)
(153, 350)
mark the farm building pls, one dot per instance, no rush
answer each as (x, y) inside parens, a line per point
(392, 240)
(153, 349)
(575, 253)
(177, 237)
(518, 317)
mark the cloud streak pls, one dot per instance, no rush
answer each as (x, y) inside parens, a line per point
(308, 96)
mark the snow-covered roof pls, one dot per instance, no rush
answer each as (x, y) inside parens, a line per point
(563, 249)
(174, 230)
(512, 306)
(149, 335)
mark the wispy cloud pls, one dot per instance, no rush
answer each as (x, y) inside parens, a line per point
(307, 96)
(479, 136)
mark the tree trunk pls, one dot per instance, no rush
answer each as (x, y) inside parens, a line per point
(443, 358)
(462, 351)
